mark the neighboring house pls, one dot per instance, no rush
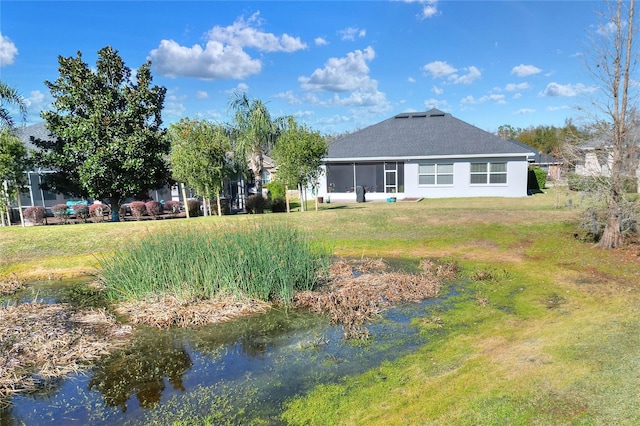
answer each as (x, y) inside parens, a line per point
(546, 162)
(424, 155)
(36, 196)
(595, 158)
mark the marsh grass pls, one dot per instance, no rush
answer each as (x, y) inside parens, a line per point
(267, 262)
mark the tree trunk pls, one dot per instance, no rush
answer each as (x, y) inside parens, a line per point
(286, 197)
(184, 199)
(612, 235)
(219, 204)
(20, 208)
(115, 208)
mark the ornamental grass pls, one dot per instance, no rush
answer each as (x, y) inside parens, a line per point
(267, 262)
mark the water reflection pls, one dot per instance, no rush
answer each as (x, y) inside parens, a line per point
(141, 370)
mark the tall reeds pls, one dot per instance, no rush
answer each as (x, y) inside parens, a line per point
(265, 262)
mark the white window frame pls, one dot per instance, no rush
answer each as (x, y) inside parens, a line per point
(439, 171)
(493, 170)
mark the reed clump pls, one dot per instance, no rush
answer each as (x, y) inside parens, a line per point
(266, 262)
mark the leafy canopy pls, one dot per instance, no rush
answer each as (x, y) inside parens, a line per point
(108, 143)
(298, 153)
(200, 155)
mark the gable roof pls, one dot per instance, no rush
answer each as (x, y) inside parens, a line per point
(421, 135)
(538, 157)
(38, 131)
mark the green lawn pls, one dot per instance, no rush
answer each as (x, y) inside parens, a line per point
(545, 328)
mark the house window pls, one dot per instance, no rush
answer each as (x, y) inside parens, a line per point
(491, 173)
(435, 174)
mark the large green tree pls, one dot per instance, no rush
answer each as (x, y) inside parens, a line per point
(200, 156)
(253, 131)
(298, 154)
(14, 162)
(10, 96)
(108, 141)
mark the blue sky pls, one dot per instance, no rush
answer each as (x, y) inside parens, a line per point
(336, 65)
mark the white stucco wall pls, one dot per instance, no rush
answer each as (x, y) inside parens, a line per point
(516, 186)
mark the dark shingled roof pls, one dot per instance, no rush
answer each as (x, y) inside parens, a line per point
(38, 131)
(421, 134)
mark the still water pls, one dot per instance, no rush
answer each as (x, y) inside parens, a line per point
(238, 372)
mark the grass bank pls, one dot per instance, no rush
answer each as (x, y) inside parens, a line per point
(544, 330)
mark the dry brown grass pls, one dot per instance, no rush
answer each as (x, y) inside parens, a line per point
(11, 285)
(41, 342)
(352, 299)
(169, 311)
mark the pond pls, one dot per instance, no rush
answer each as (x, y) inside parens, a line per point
(239, 372)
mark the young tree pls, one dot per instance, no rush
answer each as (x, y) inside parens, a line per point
(9, 95)
(298, 154)
(14, 161)
(253, 132)
(200, 156)
(108, 140)
(613, 65)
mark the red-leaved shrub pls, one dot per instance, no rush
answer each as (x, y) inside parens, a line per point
(82, 212)
(172, 207)
(194, 207)
(61, 211)
(255, 204)
(97, 211)
(35, 214)
(154, 208)
(138, 209)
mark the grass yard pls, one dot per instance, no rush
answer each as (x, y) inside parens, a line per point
(545, 328)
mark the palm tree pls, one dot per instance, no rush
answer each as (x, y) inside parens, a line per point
(253, 132)
(9, 95)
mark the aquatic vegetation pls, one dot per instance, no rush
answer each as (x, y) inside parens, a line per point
(267, 262)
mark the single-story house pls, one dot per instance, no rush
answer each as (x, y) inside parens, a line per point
(424, 155)
(37, 196)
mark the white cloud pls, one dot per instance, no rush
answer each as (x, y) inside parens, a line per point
(524, 111)
(342, 74)
(289, 97)
(320, 41)
(240, 87)
(429, 7)
(8, 51)
(436, 103)
(439, 69)
(351, 33)
(436, 90)
(567, 90)
(470, 100)
(201, 94)
(558, 108)
(512, 87)
(174, 104)
(215, 61)
(472, 74)
(223, 56)
(525, 70)
(411, 80)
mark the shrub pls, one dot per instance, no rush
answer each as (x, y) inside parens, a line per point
(154, 208)
(172, 207)
(224, 206)
(193, 206)
(97, 211)
(255, 204)
(537, 179)
(138, 209)
(61, 211)
(35, 214)
(276, 190)
(278, 205)
(82, 212)
(266, 262)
